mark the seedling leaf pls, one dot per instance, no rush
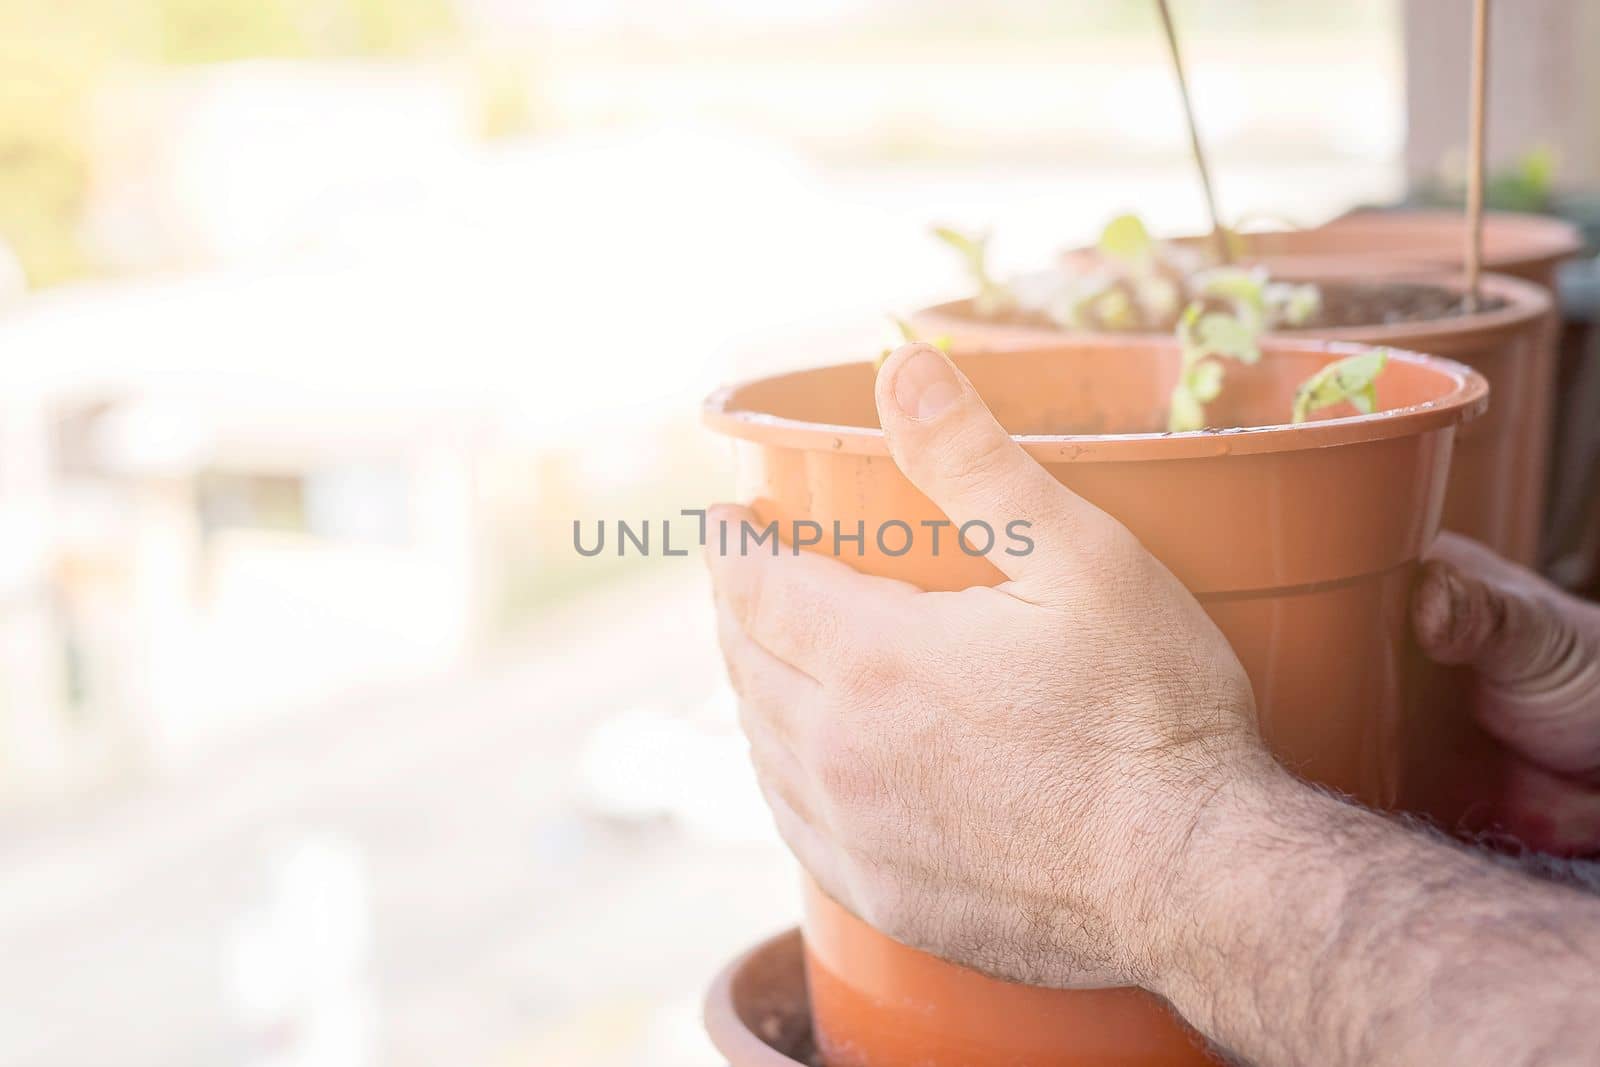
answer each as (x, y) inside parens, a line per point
(1352, 379)
(1072, 305)
(1537, 171)
(1205, 381)
(970, 248)
(1292, 305)
(1204, 339)
(1236, 284)
(1185, 413)
(943, 342)
(1159, 297)
(1224, 335)
(1126, 240)
(1115, 310)
(992, 297)
(1244, 291)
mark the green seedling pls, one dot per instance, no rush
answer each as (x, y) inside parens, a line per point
(1204, 339)
(1292, 305)
(1527, 183)
(908, 335)
(1126, 240)
(1352, 379)
(1139, 290)
(1243, 291)
(1256, 299)
(1089, 302)
(1203, 333)
(1149, 293)
(1144, 284)
(994, 297)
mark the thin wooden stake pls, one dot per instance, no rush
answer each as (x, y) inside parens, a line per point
(1475, 162)
(1219, 237)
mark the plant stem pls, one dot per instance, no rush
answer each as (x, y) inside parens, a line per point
(1219, 238)
(1475, 162)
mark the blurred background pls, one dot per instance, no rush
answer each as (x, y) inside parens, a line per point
(321, 321)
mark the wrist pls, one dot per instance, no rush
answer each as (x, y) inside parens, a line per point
(1184, 911)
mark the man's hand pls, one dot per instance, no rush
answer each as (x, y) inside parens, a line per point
(1003, 777)
(1535, 655)
(1058, 781)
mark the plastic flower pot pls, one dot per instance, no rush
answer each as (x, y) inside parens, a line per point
(1300, 541)
(1383, 241)
(1524, 246)
(1531, 247)
(1497, 485)
(757, 1012)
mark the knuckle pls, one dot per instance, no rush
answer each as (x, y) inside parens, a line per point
(847, 780)
(863, 674)
(972, 456)
(843, 771)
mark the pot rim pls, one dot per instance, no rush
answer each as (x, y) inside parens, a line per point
(720, 1014)
(1525, 302)
(1521, 240)
(1467, 400)
(1532, 237)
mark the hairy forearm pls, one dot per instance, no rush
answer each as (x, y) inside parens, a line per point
(1308, 931)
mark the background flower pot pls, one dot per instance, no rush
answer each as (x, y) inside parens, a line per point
(1301, 542)
(1496, 487)
(1574, 547)
(1524, 246)
(757, 1012)
(1531, 247)
(1385, 241)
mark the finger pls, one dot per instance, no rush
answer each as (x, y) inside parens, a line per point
(1549, 812)
(1531, 647)
(1477, 560)
(1491, 624)
(808, 844)
(776, 765)
(773, 695)
(945, 440)
(812, 612)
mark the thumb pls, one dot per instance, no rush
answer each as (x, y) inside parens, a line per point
(1532, 649)
(945, 440)
(1506, 637)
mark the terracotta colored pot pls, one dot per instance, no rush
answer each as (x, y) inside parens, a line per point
(1300, 541)
(757, 1011)
(878, 1003)
(1530, 247)
(1524, 246)
(1497, 483)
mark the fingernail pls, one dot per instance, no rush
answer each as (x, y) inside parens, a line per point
(925, 385)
